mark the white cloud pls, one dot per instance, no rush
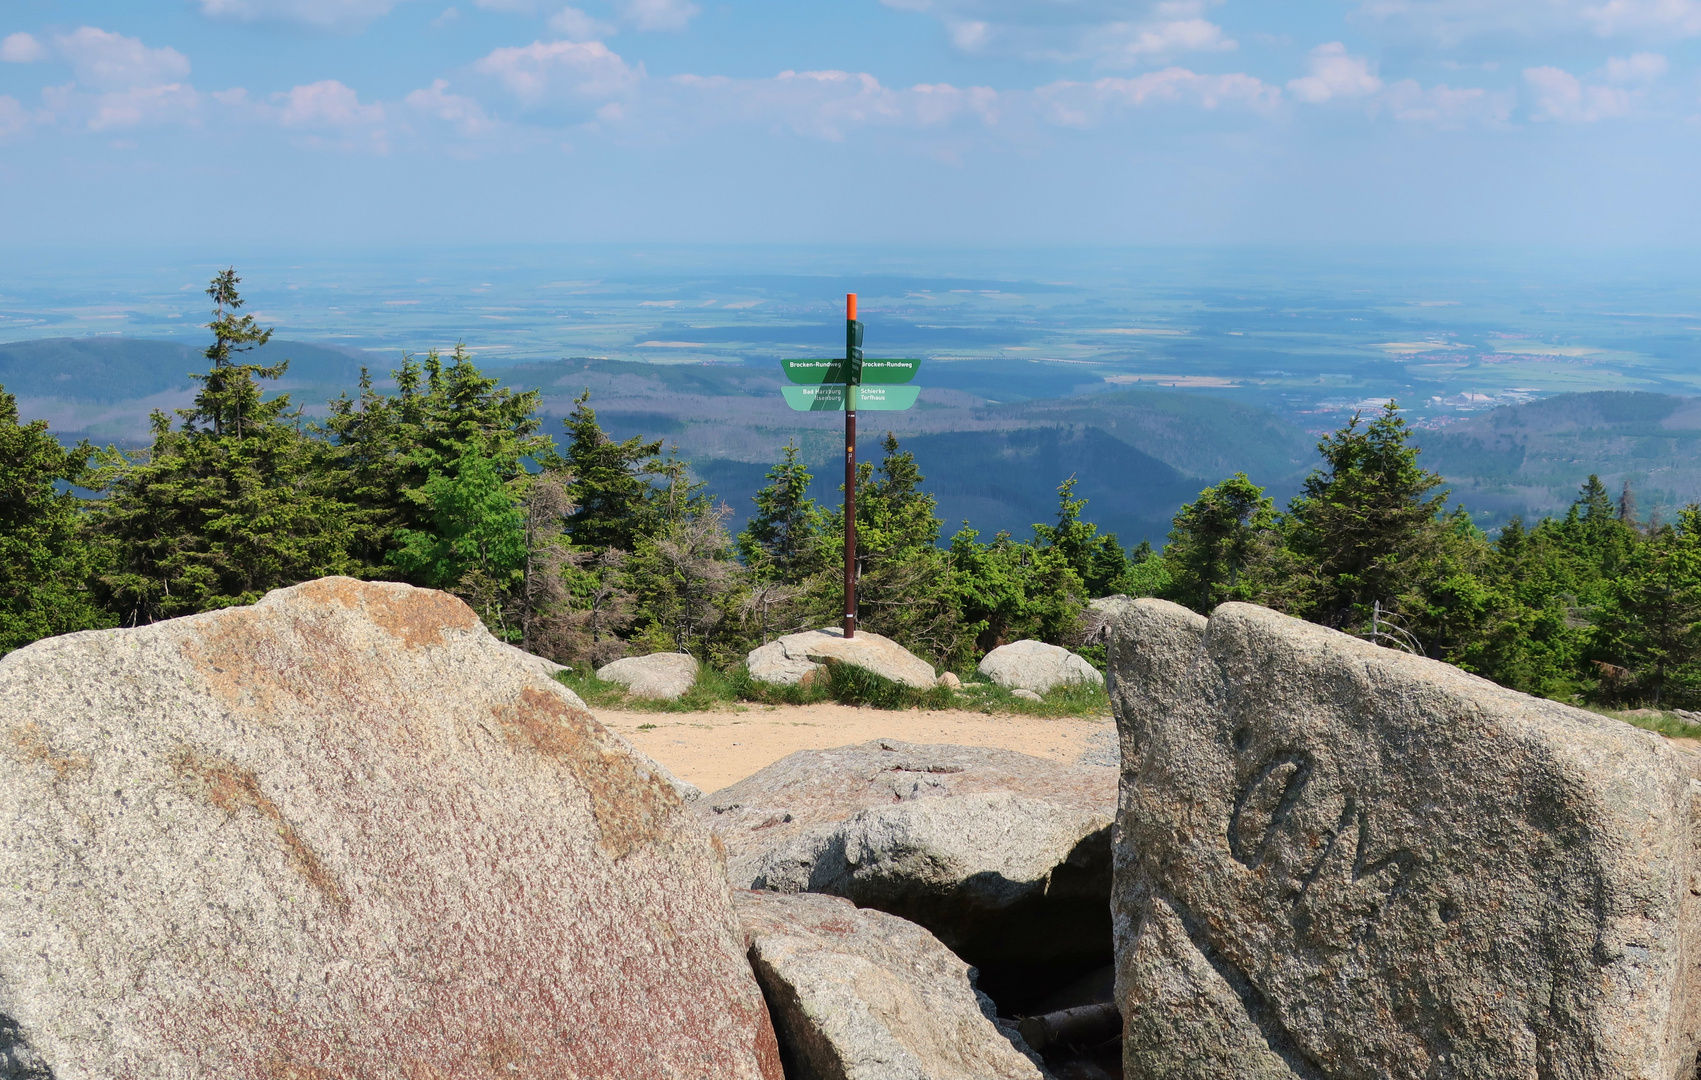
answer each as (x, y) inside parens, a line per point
(1075, 104)
(971, 36)
(1065, 30)
(21, 48)
(327, 103)
(114, 62)
(1645, 17)
(1451, 22)
(555, 70)
(1334, 74)
(1127, 43)
(516, 7)
(1638, 68)
(829, 104)
(465, 114)
(658, 14)
(575, 25)
(13, 118)
(332, 15)
(1446, 106)
(1562, 96)
(167, 103)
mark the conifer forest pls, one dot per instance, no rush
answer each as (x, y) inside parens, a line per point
(584, 548)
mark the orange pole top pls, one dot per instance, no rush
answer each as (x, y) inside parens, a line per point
(850, 306)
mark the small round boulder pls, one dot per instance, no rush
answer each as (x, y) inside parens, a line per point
(1037, 667)
(664, 675)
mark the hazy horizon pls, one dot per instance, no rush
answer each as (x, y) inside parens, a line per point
(949, 122)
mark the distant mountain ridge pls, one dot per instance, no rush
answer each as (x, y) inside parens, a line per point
(994, 438)
(1530, 459)
(115, 368)
(102, 388)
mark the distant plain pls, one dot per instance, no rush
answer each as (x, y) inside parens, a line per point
(1146, 374)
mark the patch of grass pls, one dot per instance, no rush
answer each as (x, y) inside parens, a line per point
(762, 693)
(852, 685)
(1076, 700)
(844, 683)
(1665, 723)
(711, 690)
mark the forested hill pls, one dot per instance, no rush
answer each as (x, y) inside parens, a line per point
(993, 438)
(1525, 459)
(102, 388)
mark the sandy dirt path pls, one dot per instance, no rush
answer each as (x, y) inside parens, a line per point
(714, 749)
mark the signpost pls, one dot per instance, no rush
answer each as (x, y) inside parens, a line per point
(848, 384)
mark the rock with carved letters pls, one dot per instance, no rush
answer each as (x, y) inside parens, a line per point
(345, 832)
(1337, 861)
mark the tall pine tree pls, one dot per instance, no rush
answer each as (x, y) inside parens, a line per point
(1366, 523)
(225, 507)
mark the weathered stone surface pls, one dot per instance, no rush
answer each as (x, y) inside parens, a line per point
(1340, 861)
(790, 660)
(663, 675)
(1025, 694)
(949, 681)
(1004, 856)
(344, 832)
(863, 995)
(1036, 666)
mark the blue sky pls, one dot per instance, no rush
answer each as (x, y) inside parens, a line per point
(967, 122)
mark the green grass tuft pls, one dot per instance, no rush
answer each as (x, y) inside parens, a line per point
(712, 689)
(1665, 723)
(1076, 700)
(844, 683)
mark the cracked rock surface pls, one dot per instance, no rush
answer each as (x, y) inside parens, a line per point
(858, 994)
(1003, 856)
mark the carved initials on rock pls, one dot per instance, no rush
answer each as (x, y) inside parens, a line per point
(1269, 801)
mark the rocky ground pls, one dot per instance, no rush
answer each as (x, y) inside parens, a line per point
(714, 749)
(347, 832)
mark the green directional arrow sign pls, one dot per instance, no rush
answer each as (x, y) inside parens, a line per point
(889, 371)
(831, 398)
(814, 371)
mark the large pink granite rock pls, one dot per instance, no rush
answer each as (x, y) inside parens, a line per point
(347, 833)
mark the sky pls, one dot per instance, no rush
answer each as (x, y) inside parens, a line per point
(349, 123)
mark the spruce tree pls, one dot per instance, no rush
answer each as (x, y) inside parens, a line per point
(1366, 522)
(224, 508)
(1650, 618)
(783, 540)
(1007, 590)
(476, 543)
(380, 450)
(904, 581)
(1212, 542)
(45, 562)
(680, 576)
(1098, 561)
(610, 485)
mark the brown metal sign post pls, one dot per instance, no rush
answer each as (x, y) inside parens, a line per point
(838, 384)
(852, 347)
